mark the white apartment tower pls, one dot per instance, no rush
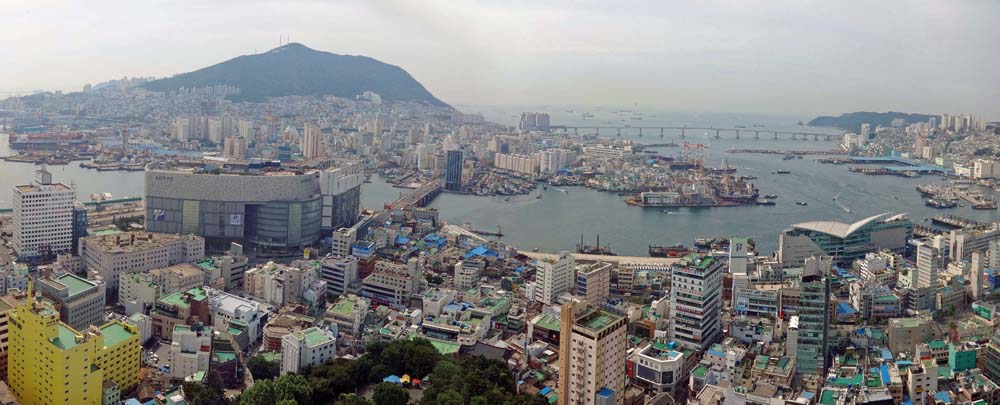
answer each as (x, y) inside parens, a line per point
(554, 278)
(929, 262)
(310, 141)
(43, 217)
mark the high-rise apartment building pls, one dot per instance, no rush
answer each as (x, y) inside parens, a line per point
(812, 356)
(696, 300)
(42, 217)
(310, 141)
(976, 275)
(592, 350)
(554, 278)
(51, 363)
(929, 262)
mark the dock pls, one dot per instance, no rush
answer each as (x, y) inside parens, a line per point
(618, 260)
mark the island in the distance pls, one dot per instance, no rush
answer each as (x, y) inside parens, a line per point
(852, 121)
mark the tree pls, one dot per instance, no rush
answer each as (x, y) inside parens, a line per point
(263, 369)
(294, 388)
(353, 399)
(261, 393)
(212, 392)
(390, 394)
(450, 397)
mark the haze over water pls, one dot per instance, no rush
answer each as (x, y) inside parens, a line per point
(556, 221)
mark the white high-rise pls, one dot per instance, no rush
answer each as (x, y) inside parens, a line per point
(310, 141)
(554, 278)
(929, 262)
(43, 217)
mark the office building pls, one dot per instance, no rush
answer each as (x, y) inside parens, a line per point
(812, 347)
(42, 218)
(593, 283)
(453, 171)
(310, 142)
(391, 284)
(696, 301)
(843, 242)
(343, 239)
(554, 278)
(278, 284)
(229, 312)
(340, 274)
(114, 254)
(307, 348)
(468, 273)
(76, 364)
(79, 225)
(80, 302)
(592, 350)
(348, 313)
(738, 248)
(190, 350)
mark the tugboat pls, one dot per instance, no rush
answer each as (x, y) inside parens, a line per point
(771, 196)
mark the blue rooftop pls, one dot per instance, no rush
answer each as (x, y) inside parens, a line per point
(885, 374)
(545, 390)
(942, 396)
(886, 354)
(605, 392)
(844, 308)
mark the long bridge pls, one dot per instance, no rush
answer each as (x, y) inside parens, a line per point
(718, 132)
(419, 196)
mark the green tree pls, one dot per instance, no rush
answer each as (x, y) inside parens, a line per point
(390, 394)
(450, 397)
(353, 399)
(263, 369)
(212, 392)
(261, 393)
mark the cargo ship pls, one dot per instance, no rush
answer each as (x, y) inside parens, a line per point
(46, 141)
(669, 251)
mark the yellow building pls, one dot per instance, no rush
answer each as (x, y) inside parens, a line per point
(50, 363)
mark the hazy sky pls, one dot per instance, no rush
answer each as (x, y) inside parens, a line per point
(788, 56)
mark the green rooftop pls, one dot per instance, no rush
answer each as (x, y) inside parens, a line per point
(700, 371)
(66, 339)
(224, 356)
(207, 264)
(271, 356)
(105, 232)
(315, 336)
(177, 298)
(829, 397)
(937, 345)
(548, 322)
(343, 306)
(445, 347)
(75, 284)
(114, 333)
(598, 319)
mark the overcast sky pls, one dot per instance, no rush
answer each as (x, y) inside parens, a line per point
(795, 57)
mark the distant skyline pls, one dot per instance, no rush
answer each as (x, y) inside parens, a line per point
(770, 57)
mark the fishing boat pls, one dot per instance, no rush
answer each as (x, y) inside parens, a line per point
(783, 171)
(677, 250)
(801, 203)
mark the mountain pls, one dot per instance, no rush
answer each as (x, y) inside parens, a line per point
(295, 69)
(852, 121)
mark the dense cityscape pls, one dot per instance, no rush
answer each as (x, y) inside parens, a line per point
(252, 267)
